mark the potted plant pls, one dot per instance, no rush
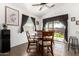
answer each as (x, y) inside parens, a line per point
(4, 26)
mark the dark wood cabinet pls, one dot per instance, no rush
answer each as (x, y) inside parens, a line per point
(5, 41)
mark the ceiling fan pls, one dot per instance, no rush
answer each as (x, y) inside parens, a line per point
(44, 4)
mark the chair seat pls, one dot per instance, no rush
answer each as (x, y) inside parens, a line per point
(45, 43)
(49, 37)
(32, 40)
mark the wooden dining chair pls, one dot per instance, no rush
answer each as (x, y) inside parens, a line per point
(32, 41)
(73, 43)
(47, 41)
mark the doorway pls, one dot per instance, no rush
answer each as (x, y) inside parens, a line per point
(59, 24)
(59, 28)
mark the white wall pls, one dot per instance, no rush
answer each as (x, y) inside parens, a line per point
(17, 38)
(72, 10)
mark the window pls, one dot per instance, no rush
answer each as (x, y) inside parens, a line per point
(29, 26)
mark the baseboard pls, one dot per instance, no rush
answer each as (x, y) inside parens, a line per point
(19, 45)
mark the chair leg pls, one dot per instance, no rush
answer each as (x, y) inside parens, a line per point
(77, 45)
(37, 48)
(48, 49)
(52, 50)
(69, 44)
(28, 47)
(42, 50)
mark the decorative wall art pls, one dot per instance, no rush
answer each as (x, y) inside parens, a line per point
(77, 22)
(72, 18)
(37, 22)
(11, 16)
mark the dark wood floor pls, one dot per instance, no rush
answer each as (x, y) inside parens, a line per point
(60, 49)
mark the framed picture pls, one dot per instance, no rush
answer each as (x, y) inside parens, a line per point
(72, 18)
(11, 16)
(37, 22)
(77, 22)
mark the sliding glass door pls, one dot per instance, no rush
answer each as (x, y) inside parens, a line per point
(59, 28)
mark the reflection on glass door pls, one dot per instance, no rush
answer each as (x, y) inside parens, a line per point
(59, 28)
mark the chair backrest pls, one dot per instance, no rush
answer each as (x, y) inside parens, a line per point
(73, 40)
(48, 35)
(28, 35)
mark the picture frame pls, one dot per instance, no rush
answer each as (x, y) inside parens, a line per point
(77, 22)
(37, 22)
(72, 18)
(11, 16)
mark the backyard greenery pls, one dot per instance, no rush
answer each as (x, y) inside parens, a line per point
(58, 35)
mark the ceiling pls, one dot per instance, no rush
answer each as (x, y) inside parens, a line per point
(34, 10)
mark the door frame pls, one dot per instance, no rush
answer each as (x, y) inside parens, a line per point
(63, 18)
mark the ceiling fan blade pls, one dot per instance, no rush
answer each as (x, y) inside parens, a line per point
(43, 3)
(53, 5)
(39, 4)
(36, 5)
(49, 6)
(41, 8)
